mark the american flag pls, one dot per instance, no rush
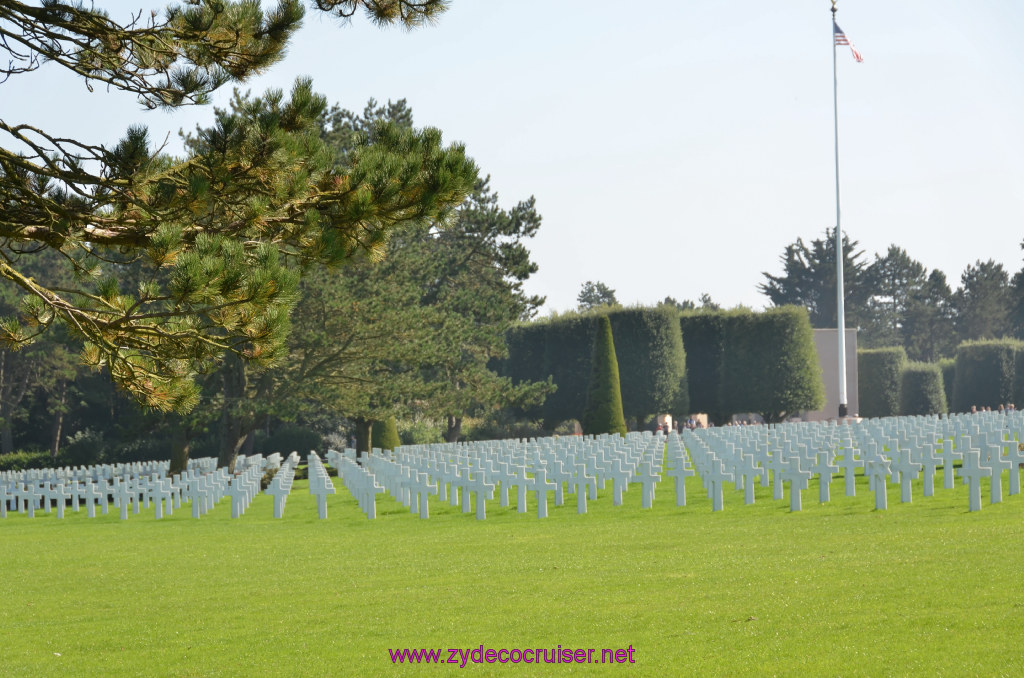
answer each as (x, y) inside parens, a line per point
(841, 39)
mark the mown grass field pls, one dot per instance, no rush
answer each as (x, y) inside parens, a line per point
(837, 589)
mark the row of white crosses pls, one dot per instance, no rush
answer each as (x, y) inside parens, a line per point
(123, 493)
(901, 451)
(470, 474)
(320, 484)
(133, 487)
(357, 479)
(898, 450)
(281, 484)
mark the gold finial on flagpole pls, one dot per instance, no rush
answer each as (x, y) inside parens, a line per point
(833, 9)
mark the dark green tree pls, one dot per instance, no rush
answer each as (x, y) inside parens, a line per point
(594, 295)
(684, 305)
(603, 413)
(469, 278)
(411, 332)
(249, 392)
(894, 280)
(42, 372)
(1016, 313)
(708, 304)
(473, 272)
(928, 331)
(983, 302)
(809, 280)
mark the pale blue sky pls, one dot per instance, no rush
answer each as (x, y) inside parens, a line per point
(675, 147)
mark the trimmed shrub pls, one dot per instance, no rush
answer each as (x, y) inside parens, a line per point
(525, 361)
(770, 364)
(704, 343)
(651, 359)
(681, 405)
(921, 390)
(879, 376)
(567, 359)
(1018, 375)
(603, 413)
(23, 459)
(385, 434)
(985, 373)
(948, 367)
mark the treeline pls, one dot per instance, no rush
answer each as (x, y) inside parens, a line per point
(982, 374)
(404, 327)
(718, 362)
(894, 300)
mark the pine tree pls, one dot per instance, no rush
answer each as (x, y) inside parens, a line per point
(594, 295)
(178, 261)
(603, 413)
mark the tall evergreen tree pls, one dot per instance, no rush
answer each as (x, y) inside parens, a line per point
(983, 302)
(894, 280)
(809, 280)
(928, 331)
(1017, 304)
(594, 295)
(603, 413)
(408, 328)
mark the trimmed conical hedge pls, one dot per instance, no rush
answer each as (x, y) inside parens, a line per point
(603, 413)
(385, 434)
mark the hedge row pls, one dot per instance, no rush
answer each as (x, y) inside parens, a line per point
(721, 363)
(651, 362)
(987, 374)
(984, 374)
(921, 389)
(740, 361)
(879, 377)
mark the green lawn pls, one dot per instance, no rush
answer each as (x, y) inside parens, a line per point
(837, 589)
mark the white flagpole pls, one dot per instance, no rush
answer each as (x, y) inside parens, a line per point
(840, 306)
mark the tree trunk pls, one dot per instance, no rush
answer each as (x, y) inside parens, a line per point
(364, 436)
(454, 429)
(249, 444)
(180, 446)
(6, 437)
(13, 387)
(233, 432)
(229, 453)
(58, 421)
